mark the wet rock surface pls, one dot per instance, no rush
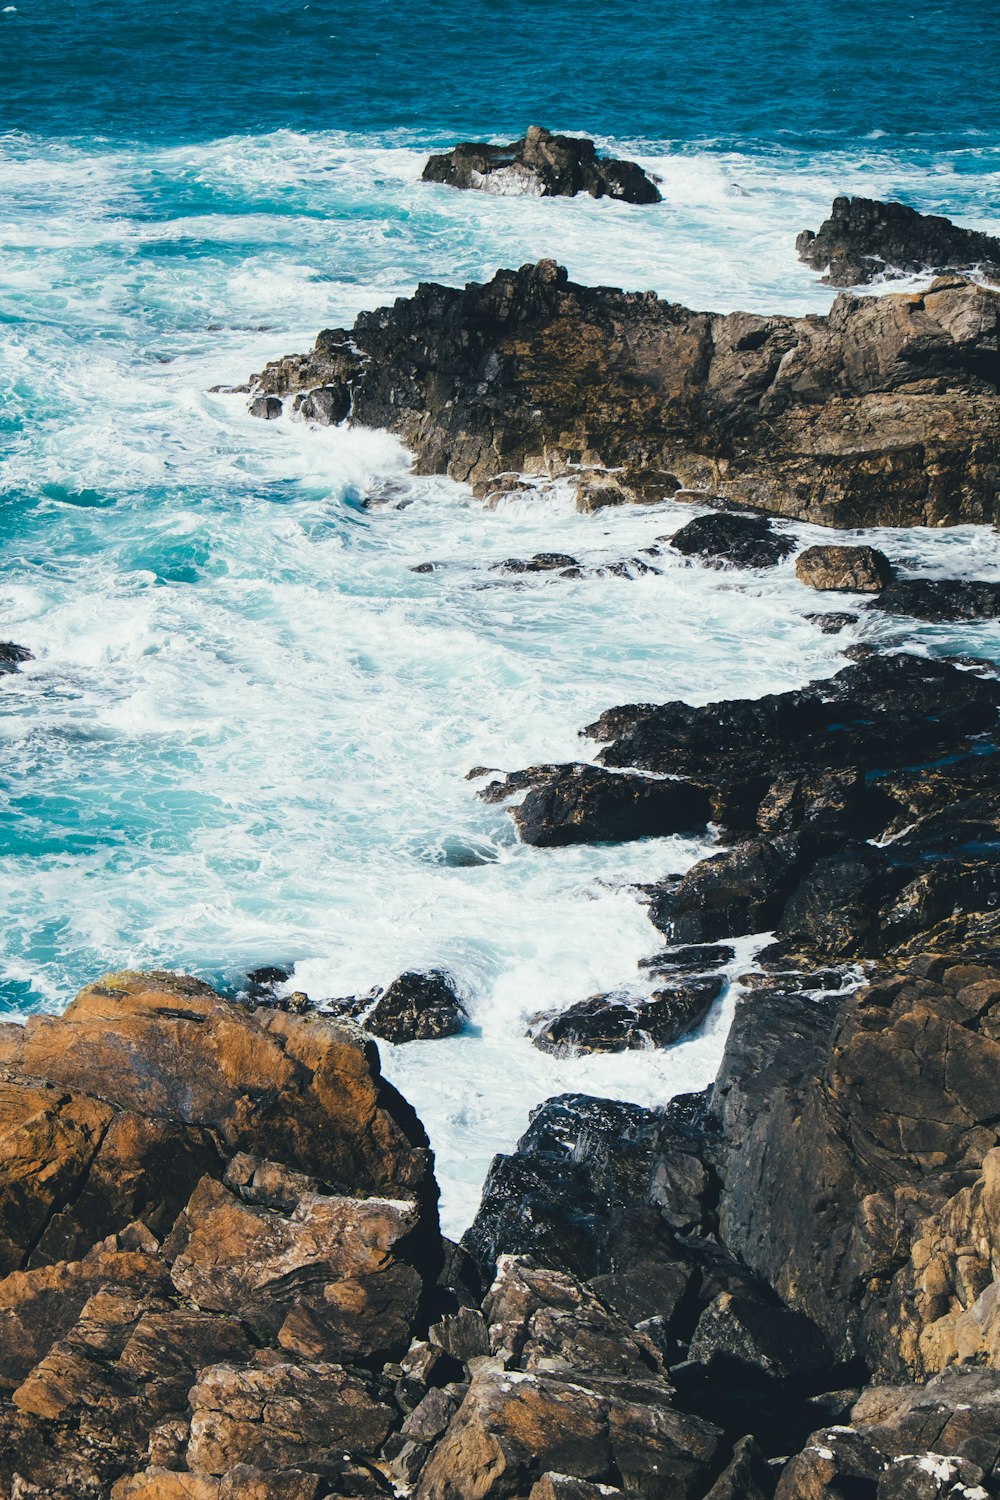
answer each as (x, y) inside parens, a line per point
(732, 540)
(542, 165)
(618, 1023)
(941, 599)
(885, 412)
(417, 1007)
(864, 240)
(11, 657)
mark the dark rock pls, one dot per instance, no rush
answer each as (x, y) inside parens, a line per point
(864, 240)
(268, 408)
(941, 599)
(747, 1476)
(542, 165)
(742, 890)
(833, 623)
(740, 541)
(860, 570)
(613, 1023)
(582, 804)
(326, 405)
(882, 413)
(11, 656)
(417, 1007)
(693, 957)
(542, 562)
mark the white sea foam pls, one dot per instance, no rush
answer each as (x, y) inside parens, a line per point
(245, 735)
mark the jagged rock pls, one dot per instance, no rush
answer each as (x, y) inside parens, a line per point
(327, 405)
(883, 413)
(690, 958)
(312, 1416)
(327, 1279)
(739, 541)
(542, 165)
(859, 570)
(417, 1007)
(581, 804)
(267, 408)
(746, 1477)
(563, 1487)
(542, 562)
(302, 1089)
(462, 1334)
(832, 622)
(11, 656)
(941, 599)
(513, 1427)
(744, 889)
(617, 1023)
(864, 240)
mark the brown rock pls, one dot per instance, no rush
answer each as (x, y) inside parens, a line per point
(286, 1416)
(514, 1427)
(860, 570)
(322, 1279)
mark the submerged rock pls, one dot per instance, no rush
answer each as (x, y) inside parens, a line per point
(542, 165)
(885, 412)
(267, 408)
(739, 541)
(417, 1007)
(864, 240)
(860, 570)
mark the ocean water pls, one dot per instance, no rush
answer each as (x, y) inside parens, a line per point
(245, 733)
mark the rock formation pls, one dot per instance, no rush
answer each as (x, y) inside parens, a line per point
(864, 240)
(859, 570)
(886, 412)
(542, 165)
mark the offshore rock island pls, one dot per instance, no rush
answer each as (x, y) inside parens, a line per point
(884, 413)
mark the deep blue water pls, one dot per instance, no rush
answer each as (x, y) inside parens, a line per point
(774, 70)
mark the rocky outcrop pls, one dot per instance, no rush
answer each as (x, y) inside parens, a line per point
(542, 165)
(217, 1223)
(864, 240)
(886, 412)
(858, 570)
(583, 804)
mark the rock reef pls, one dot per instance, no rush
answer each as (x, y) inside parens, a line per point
(864, 240)
(885, 412)
(542, 165)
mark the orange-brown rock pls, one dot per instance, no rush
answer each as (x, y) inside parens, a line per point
(513, 1427)
(322, 1278)
(301, 1089)
(283, 1416)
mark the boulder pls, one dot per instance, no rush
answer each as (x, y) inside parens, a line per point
(417, 1007)
(267, 408)
(618, 1023)
(864, 240)
(734, 540)
(884, 412)
(542, 165)
(327, 405)
(859, 570)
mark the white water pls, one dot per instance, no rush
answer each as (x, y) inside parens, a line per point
(245, 735)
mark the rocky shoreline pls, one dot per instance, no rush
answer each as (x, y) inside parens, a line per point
(223, 1273)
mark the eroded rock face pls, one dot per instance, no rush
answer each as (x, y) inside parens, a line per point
(886, 412)
(542, 165)
(859, 570)
(864, 240)
(941, 599)
(583, 804)
(617, 1023)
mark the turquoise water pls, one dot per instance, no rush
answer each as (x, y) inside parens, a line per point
(245, 734)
